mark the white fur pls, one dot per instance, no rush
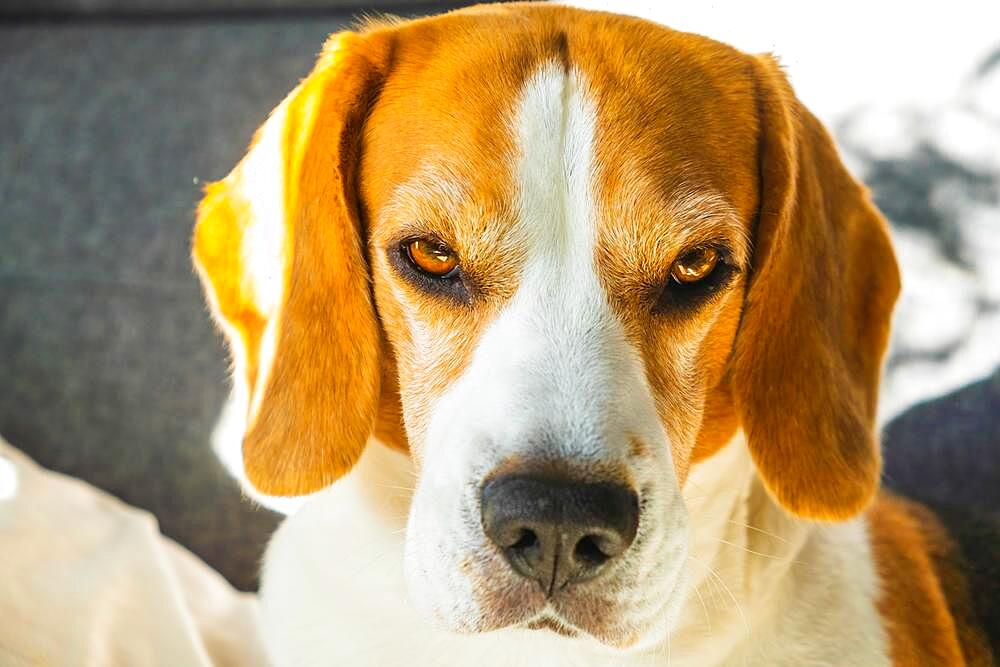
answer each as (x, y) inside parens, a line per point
(264, 190)
(264, 237)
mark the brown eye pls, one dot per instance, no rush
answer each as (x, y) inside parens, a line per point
(433, 258)
(695, 265)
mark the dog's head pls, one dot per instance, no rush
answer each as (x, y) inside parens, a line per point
(558, 257)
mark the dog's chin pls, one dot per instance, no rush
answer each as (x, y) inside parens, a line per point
(523, 606)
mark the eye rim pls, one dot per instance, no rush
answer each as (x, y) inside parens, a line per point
(406, 248)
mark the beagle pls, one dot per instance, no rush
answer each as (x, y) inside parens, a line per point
(570, 327)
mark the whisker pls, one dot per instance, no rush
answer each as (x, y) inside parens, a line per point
(759, 530)
(408, 489)
(377, 556)
(669, 649)
(758, 553)
(717, 594)
(732, 596)
(704, 608)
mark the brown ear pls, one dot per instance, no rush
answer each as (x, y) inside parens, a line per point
(816, 320)
(280, 251)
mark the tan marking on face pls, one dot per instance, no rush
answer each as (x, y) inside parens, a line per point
(685, 352)
(437, 163)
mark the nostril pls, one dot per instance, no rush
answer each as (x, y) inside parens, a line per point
(525, 553)
(588, 552)
(526, 540)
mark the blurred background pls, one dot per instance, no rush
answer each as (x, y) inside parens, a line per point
(116, 112)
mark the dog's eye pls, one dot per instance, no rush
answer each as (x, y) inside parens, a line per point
(695, 277)
(695, 265)
(432, 257)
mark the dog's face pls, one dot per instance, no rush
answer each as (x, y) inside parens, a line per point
(559, 257)
(527, 253)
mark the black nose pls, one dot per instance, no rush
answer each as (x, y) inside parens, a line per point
(558, 531)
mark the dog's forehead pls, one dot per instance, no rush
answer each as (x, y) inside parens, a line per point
(675, 113)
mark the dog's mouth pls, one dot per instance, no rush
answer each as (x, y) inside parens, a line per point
(551, 623)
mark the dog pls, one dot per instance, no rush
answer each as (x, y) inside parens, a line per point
(569, 329)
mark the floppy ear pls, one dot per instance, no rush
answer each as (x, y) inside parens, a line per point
(280, 250)
(809, 351)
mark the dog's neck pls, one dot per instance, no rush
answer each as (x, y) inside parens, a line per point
(766, 587)
(742, 546)
(763, 587)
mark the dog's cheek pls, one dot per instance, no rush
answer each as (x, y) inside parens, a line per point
(437, 538)
(672, 374)
(686, 369)
(434, 532)
(404, 332)
(432, 344)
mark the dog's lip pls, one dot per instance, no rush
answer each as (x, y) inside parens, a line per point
(553, 623)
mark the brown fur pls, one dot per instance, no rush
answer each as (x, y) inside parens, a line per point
(924, 599)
